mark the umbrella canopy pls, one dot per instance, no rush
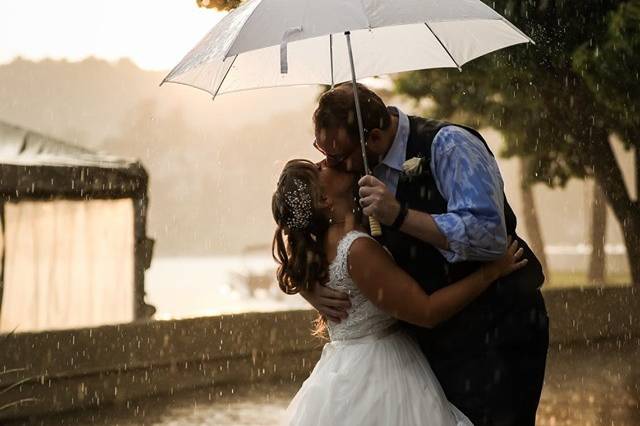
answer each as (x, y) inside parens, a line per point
(272, 43)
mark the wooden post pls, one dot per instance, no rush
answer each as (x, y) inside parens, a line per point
(142, 258)
(143, 249)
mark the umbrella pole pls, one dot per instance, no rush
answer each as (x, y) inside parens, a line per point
(376, 229)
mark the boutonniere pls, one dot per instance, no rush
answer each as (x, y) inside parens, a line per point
(414, 167)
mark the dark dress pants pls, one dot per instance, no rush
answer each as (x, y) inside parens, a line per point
(498, 382)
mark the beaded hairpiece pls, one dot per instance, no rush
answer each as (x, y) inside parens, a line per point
(298, 201)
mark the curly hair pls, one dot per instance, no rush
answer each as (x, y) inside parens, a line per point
(298, 246)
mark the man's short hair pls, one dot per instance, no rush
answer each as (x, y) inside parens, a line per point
(337, 108)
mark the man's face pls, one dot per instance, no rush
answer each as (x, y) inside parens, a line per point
(340, 151)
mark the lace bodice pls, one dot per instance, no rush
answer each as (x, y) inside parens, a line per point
(364, 317)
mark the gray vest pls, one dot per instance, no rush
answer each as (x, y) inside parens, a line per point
(475, 327)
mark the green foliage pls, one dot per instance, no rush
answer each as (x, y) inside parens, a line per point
(219, 4)
(553, 98)
(611, 69)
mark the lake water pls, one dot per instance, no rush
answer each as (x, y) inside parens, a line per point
(203, 286)
(183, 287)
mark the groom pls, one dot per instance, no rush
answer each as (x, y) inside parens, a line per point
(441, 220)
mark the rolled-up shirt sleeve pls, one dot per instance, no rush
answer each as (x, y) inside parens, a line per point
(468, 177)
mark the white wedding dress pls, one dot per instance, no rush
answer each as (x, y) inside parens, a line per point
(371, 373)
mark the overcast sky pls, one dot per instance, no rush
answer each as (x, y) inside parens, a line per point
(154, 34)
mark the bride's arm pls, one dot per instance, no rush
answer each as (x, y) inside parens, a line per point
(394, 291)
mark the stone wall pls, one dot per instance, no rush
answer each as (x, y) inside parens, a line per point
(74, 369)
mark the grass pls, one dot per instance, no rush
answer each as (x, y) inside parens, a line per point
(15, 383)
(568, 279)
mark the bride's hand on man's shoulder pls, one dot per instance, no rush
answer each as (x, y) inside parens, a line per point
(511, 261)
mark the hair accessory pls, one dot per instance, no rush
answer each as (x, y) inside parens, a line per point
(298, 201)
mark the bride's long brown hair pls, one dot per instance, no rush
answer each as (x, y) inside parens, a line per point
(299, 249)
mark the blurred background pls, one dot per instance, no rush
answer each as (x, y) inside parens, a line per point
(560, 115)
(93, 82)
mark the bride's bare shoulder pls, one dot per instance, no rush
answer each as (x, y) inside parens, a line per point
(366, 251)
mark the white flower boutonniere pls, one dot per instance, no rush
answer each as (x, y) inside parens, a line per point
(413, 166)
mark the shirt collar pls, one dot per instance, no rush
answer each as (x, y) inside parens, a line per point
(397, 153)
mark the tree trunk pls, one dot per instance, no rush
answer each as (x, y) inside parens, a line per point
(531, 222)
(633, 247)
(637, 149)
(596, 274)
(631, 231)
(607, 172)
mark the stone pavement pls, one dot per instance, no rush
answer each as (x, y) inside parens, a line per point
(594, 385)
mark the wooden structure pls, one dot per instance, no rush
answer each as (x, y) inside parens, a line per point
(35, 167)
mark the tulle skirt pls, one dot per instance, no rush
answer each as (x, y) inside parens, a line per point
(381, 379)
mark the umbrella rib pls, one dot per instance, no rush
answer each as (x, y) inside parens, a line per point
(506, 21)
(225, 76)
(170, 75)
(233, 43)
(443, 46)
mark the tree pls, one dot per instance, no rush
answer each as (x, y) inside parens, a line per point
(597, 263)
(611, 71)
(531, 222)
(556, 102)
(219, 4)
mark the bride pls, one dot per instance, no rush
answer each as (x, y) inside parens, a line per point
(372, 372)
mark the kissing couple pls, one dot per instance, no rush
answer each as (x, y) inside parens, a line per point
(438, 322)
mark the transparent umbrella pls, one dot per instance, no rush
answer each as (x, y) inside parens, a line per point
(273, 43)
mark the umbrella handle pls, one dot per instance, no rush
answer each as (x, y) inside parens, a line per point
(374, 226)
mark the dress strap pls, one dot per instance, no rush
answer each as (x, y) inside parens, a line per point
(345, 243)
(339, 265)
